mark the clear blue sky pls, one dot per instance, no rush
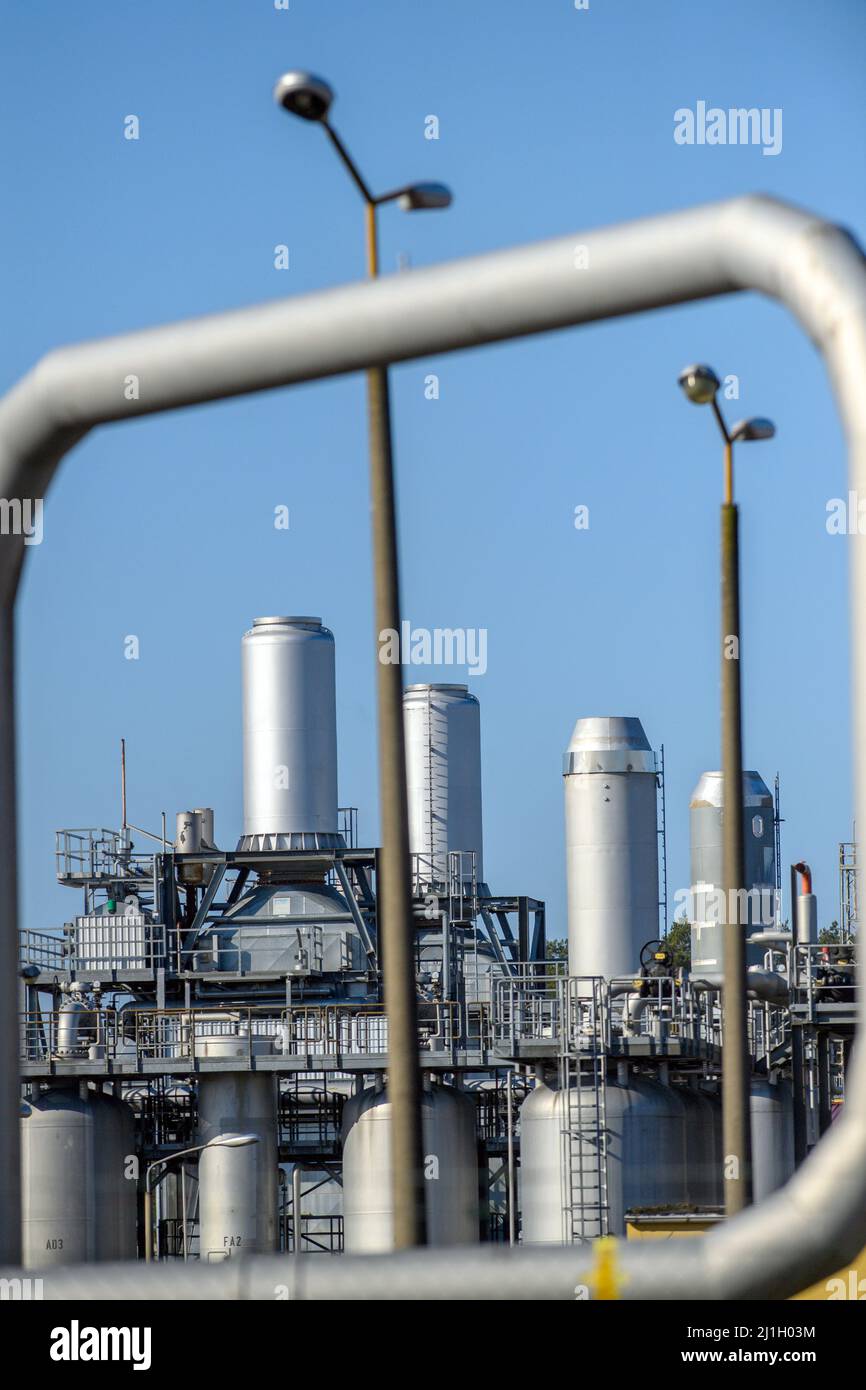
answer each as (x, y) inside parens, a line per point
(551, 120)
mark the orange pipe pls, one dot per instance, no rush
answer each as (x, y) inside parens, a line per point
(806, 876)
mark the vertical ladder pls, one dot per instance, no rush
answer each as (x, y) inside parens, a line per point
(583, 1135)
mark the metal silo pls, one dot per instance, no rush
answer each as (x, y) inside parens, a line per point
(290, 735)
(706, 829)
(703, 1148)
(443, 774)
(58, 1207)
(611, 846)
(645, 1141)
(450, 1170)
(114, 1178)
(772, 1111)
(237, 1186)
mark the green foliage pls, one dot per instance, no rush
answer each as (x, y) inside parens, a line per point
(557, 949)
(679, 943)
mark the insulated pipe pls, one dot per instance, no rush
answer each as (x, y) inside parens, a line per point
(755, 243)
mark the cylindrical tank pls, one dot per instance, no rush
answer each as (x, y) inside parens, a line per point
(611, 846)
(703, 1148)
(450, 1170)
(58, 1208)
(290, 735)
(706, 828)
(644, 1128)
(772, 1112)
(237, 1186)
(711, 1094)
(188, 840)
(443, 776)
(205, 816)
(114, 1178)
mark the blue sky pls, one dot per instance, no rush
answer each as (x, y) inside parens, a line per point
(550, 120)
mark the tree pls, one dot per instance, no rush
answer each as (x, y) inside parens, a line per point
(679, 943)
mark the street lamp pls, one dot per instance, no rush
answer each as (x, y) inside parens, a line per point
(701, 385)
(228, 1141)
(309, 97)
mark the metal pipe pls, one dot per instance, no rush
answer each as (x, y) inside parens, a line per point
(512, 1185)
(753, 243)
(296, 1209)
(736, 1067)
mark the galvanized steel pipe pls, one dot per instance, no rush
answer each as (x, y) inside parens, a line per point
(818, 1221)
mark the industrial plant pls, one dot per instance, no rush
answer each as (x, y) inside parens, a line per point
(205, 1047)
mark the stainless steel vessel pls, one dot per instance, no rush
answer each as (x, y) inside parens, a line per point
(451, 1169)
(290, 735)
(443, 774)
(611, 846)
(237, 1186)
(58, 1196)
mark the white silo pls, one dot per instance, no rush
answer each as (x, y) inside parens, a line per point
(443, 776)
(772, 1112)
(611, 846)
(706, 832)
(450, 1169)
(237, 1185)
(290, 735)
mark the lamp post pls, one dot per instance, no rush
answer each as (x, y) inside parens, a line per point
(311, 98)
(229, 1141)
(701, 385)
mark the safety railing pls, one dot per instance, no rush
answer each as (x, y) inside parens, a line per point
(528, 1006)
(238, 1035)
(535, 1006)
(450, 876)
(93, 853)
(823, 981)
(68, 1034)
(45, 950)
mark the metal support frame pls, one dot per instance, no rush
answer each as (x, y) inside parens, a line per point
(755, 243)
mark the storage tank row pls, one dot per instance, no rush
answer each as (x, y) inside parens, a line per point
(663, 1152)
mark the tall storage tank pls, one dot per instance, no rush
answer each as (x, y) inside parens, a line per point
(703, 1148)
(772, 1112)
(443, 775)
(611, 846)
(290, 735)
(451, 1170)
(58, 1202)
(237, 1186)
(706, 830)
(113, 1176)
(644, 1124)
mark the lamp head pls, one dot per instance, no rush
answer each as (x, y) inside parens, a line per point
(700, 383)
(424, 197)
(746, 430)
(304, 95)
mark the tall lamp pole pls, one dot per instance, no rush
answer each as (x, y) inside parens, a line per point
(309, 97)
(701, 385)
